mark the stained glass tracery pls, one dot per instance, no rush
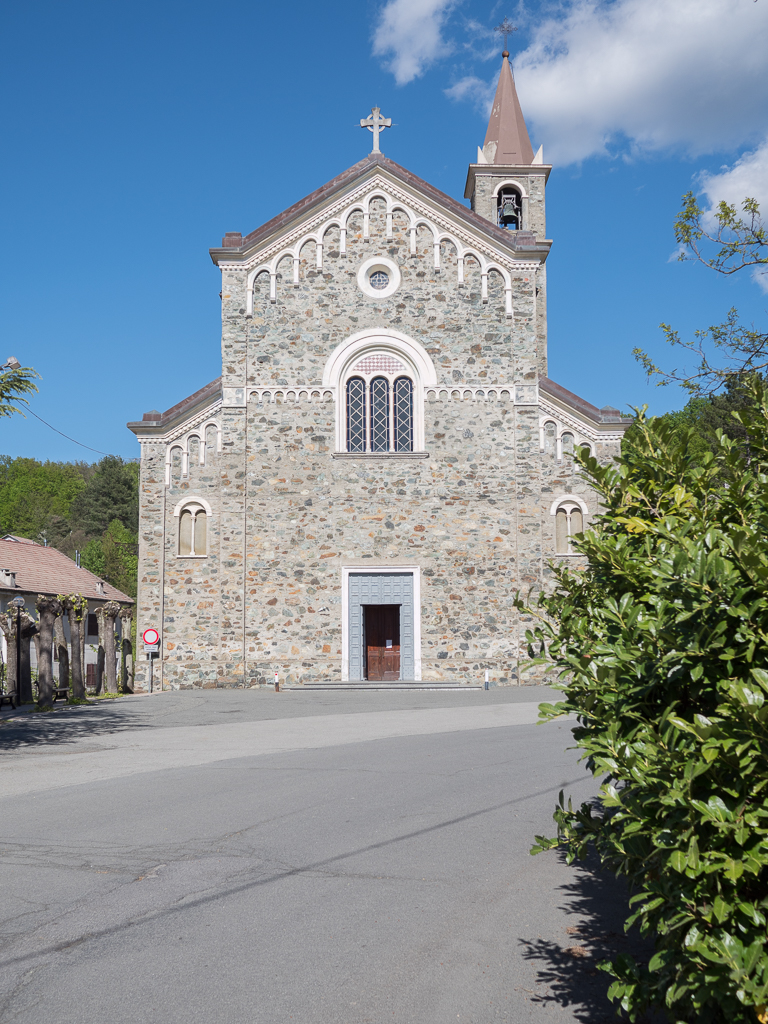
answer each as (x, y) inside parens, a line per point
(403, 415)
(356, 415)
(379, 415)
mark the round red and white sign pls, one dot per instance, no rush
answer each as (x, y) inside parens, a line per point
(150, 636)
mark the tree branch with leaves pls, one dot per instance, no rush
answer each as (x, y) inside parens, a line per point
(735, 241)
(16, 382)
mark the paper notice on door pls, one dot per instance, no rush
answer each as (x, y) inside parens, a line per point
(388, 643)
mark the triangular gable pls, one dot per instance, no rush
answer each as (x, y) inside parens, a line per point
(377, 171)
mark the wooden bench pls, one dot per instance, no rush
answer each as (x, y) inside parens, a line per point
(10, 698)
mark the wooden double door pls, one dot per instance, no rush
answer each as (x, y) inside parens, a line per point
(381, 631)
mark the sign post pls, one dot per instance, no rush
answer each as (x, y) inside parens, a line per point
(151, 639)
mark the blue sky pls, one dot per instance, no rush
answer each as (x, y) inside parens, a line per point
(136, 135)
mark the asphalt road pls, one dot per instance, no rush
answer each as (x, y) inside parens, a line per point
(252, 858)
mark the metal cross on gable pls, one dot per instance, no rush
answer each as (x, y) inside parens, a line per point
(506, 28)
(376, 124)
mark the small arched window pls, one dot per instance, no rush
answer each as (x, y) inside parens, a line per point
(569, 520)
(379, 414)
(193, 531)
(549, 437)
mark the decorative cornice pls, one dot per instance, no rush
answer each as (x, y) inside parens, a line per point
(605, 433)
(367, 456)
(181, 429)
(522, 394)
(380, 182)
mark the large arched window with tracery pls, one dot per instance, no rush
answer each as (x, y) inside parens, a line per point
(379, 407)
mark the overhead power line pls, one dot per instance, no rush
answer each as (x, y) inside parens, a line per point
(67, 435)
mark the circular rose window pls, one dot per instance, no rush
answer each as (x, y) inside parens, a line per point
(379, 280)
(379, 277)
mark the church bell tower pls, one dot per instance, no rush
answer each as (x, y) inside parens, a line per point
(506, 186)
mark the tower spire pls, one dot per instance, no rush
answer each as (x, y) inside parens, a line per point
(507, 141)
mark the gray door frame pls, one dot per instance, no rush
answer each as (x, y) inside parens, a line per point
(368, 569)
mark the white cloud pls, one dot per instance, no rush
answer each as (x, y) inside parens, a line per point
(689, 76)
(410, 34)
(475, 90)
(747, 178)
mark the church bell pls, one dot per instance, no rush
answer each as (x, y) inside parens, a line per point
(508, 213)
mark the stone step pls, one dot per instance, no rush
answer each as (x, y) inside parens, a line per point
(383, 686)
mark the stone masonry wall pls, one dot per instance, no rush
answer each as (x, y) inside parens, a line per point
(474, 515)
(484, 204)
(149, 600)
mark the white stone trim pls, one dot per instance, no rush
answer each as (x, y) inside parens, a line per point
(295, 395)
(518, 394)
(367, 456)
(419, 214)
(568, 503)
(369, 267)
(181, 443)
(192, 499)
(195, 505)
(390, 567)
(566, 498)
(385, 340)
(506, 184)
(525, 395)
(564, 420)
(418, 366)
(233, 397)
(201, 421)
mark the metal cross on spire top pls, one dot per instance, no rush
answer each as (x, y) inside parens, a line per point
(506, 28)
(376, 124)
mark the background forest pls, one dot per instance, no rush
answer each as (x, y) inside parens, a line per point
(74, 506)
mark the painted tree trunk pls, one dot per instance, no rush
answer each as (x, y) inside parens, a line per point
(19, 677)
(100, 651)
(36, 642)
(75, 606)
(28, 629)
(110, 612)
(83, 629)
(48, 608)
(62, 651)
(8, 626)
(126, 649)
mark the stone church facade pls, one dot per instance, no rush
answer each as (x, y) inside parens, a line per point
(384, 461)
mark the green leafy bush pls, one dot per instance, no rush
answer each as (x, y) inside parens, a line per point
(663, 646)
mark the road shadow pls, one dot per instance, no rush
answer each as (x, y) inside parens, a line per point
(597, 904)
(27, 728)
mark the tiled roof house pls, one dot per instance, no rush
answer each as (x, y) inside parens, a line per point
(28, 568)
